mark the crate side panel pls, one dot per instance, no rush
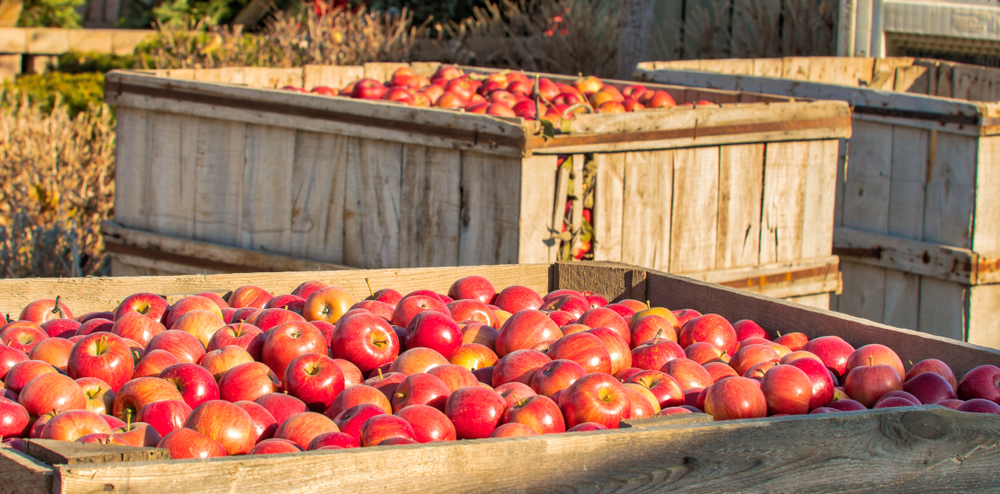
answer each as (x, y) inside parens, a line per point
(783, 208)
(950, 198)
(221, 156)
(319, 176)
(864, 291)
(984, 323)
(132, 131)
(171, 187)
(490, 209)
(821, 173)
(431, 199)
(538, 198)
(609, 200)
(267, 182)
(869, 169)
(986, 232)
(741, 182)
(647, 235)
(942, 308)
(372, 203)
(694, 216)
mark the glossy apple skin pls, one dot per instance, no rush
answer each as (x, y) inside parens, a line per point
(271, 318)
(60, 328)
(185, 346)
(73, 424)
(929, 388)
(585, 349)
(352, 375)
(819, 376)
(640, 391)
(665, 389)
(524, 330)
(417, 360)
(519, 366)
(514, 299)
(434, 330)
(979, 405)
(875, 354)
(290, 302)
(454, 376)
(472, 288)
(365, 340)
(327, 304)
(867, 384)
(654, 354)
(475, 411)
(514, 392)
(573, 306)
(247, 382)
(290, 340)
(787, 390)
(384, 427)
(735, 398)
(188, 304)
(275, 446)
(752, 355)
(153, 363)
(415, 303)
(650, 327)
(474, 356)
(186, 443)
(555, 376)
(22, 335)
(350, 420)
(249, 296)
(244, 335)
(833, 351)
(357, 395)
(218, 362)
(712, 328)
(482, 334)
(196, 383)
(472, 310)
(98, 393)
(104, 356)
(899, 394)
(14, 420)
(688, 373)
(746, 328)
(201, 324)
(147, 304)
(602, 317)
(97, 325)
(135, 394)
(538, 412)
(226, 423)
(338, 439)
(387, 383)
(981, 382)
(138, 434)
(421, 389)
(43, 310)
(164, 416)
(8, 357)
(513, 429)
(792, 341)
(587, 427)
(307, 288)
(429, 424)
(281, 406)
(54, 351)
(52, 391)
(597, 398)
(302, 428)
(264, 423)
(933, 365)
(315, 379)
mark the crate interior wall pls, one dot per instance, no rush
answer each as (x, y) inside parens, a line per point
(906, 449)
(218, 155)
(918, 214)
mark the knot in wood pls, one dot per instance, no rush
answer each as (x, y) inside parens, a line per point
(926, 424)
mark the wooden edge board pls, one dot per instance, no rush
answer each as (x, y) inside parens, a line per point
(862, 100)
(952, 128)
(930, 449)
(125, 240)
(749, 276)
(55, 452)
(23, 474)
(657, 421)
(911, 256)
(592, 143)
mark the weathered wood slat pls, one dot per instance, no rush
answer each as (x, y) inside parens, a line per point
(818, 207)
(429, 205)
(23, 474)
(648, 231)
(318, 191)
(219, 162)
(538, 198)
(490, 211)
(695, 210)
(266, 217)
(56, 452)
(741, 182)
(372, 205)
(922, 258)
(609, 200)
(783, 206)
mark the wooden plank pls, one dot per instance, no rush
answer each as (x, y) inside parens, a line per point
(767, 67)
(741, 182)
(333, 76)
(102, 294)
(219, 163)
(201, 254)
(864, 290)
(780, 280)
(146, 264)
(695, 209)
(923, 258)
(170, 188)
(842, 163)
(575, 195)
(382, 71)
(946, 77)
(914, 79)
(986, 230)
(23, 474)
(966, 84)
(131, 170)
(538, 197)
(819, 301)
(782, 210)
(609, 202)
(901, 304)
(54, 452)
(818, 208)
(265, 221)
(318, 190)
(942, 308)
(646, 208)
(908, 179)
(867, 184)
(984, 305)
(430, 199)
(950, 199)
(491, 209)
(372, 204)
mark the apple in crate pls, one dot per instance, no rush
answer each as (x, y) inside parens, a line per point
(164, 416)
(597, 398)
(149, 305)
(226, 423)
(43, 310)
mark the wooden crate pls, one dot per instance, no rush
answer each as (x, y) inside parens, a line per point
(926, 449)
(218, 156)
(918, 209)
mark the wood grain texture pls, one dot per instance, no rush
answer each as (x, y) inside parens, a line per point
(950, 199)
(820, 191)
(22, 474)
(864, 291)
(922, 258)
(908, 180)
(782, 210)
(318, 191)
(741, 182)
(984, 305)
(819, 301)
(901, 303)
(219, 167)
(906, 449)
(170, 190)
(372, 203)
(490, 209)
(267, 181)
(942, 308)
(986, 231)
(866, 189)
(430, 200)
(538, 198)
(131, 166)
(54, 452)
(647, 226)
(694, 218)
(608, 203)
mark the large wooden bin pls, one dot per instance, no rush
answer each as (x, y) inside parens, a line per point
(918, 208)
(219, 156)
(925, 449)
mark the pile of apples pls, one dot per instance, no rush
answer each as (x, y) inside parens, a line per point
(254, 373)
(505, 94)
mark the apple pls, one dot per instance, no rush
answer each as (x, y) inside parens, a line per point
(524, 330)
(474, 411)
(979, 405)
(415, 303)
(270, 318)
(383, 427)
(821, 379)
(735, 398)
(138, 434)
(574, 328)
(573, 305)
(685, 315)
(147, 304)
(703, 352)
(275, 446)
(290, 340)
(164, 416)
(787, 390)
(289, 302)
(188, 304)
(688, 373)
(365, 340)
(757, 371)
(24, 372)
(981, 382)
(224, 422)
(73, 424)
(303, 427)
(914, 401)
(249, 296)
(246, 314)
(746, 328)
(307, 288)
(895, 402)
(104, 356)
(54, 351)
(877, 354)
(792, 341)
(514, 392)
(357, 395)
(60, 328)
(752, 355)
(473, 356)
(587, 427)
(195, 383)
(712, 328)
(867, 383)
(52, 391)
(519, 366)
(435, 330)
(667, 391)
(98, 394)
(185, 346)
(472, 311)
(650, 327)
(618, 349)
(655, 353)
(516, 298)
(153, 363)
(380, 309)
(247, 382)
(43, 310)
(83, 319)
(602, 317)
(585, 349)
(137, 327)
(95, 326)
(472, 288)
(421, 389)
(135, 394)
(327, 304)
(352, 375)
(35, 430)
(429, 424)
(368, 89)
(244, 335)
(454, 376)
(218, 362)
(386, 383)
(597, 398)
(336, 439)
(113, 422)
(932, 365)
(538, 412)
(555, 376)
(14, 419)
(416, 360)
(264, 423)
(350, 420)
(22, 335)
(387, 296)
(799, 354)
(281, 406)
(929, 388)
(482, 334)
(315, 379)
(952, 404)
(186, 443)
(833, 351)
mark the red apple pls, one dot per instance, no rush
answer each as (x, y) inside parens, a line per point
(618, 350)
(914, 401)
(185, 346)
(573, 305)
(14, 420)
(473, 356)
(337, 439)
(302, 428)
(933, 365)
(979, 405)
(514, 392)
(95, 326)
(538, 412)
(895, 402)
(650, 327)
(555, 376)
(688, 373)
(263, 422)
(454, 376)
(271, 318)
(585, 349)
(735, 398)
(929, 388)
(22, 335)
(100, 398)
(415, 303)
(416, 360)
(23, 372)
(429, 424)
(383, 427)
(104, 356)
(430, 329)
(60, 328)
(792, 341)
(247, 382)
(138, 434)
(386, 383)
(215, 297)
(274, 446)
(52, 391)
(195, 383)
(514, 299)
(281, 406)
(147, 304)
(365, 340)
(981, 382)
(877, 354)
(712, 328)
(135, 394)
(472, 288)
(289, 302)
(244, 335)
(703, 352)
(350, 420)
(524, 330)
(655, 353)
(821, 379)
(307, 288)
(746, 328)
(602, 317)
(165, 416)
(787, 390)
(153, 363)
(249, 296)
(246, 314)
(421, 389)
(327, 304)
(137, 327)
(290, 340)
(833, 351)
(74, 424)
(482, 334)
(224, 422)
(188, 304)
(55, 351)
(315, 379)
(218, 362)
(597, 398)
(519, 366)
(357, 395)
(665, 389)
(352, 375)
(380, 309)
(368, 89)
(186, 443)
(867, 383)
(43, 310)
(474, 411)
(587, 427)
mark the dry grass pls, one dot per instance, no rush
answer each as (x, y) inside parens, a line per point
(56, 185)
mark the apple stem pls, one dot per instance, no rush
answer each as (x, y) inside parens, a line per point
(369, 283)
(659, 334)
(779, 333)
(871, 361)
(911, 363)
(380, 374)
(128, 419)
(57, 309)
